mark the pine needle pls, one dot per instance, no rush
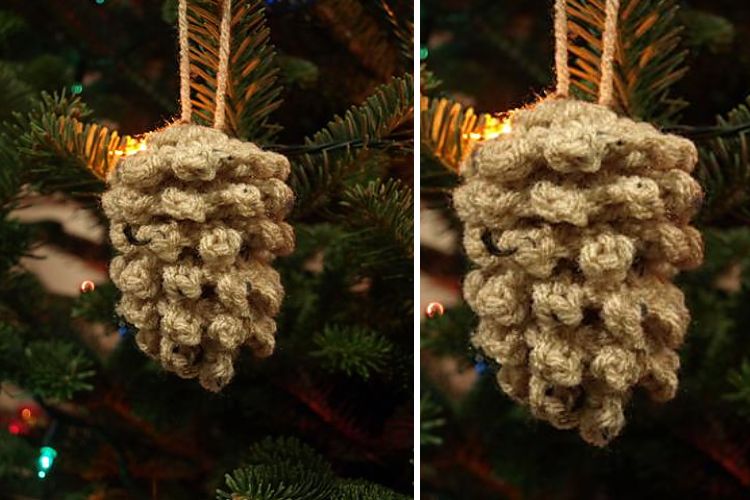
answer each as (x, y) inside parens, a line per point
(253, 92)
(649, 59)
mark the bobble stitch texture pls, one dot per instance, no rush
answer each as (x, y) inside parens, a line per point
(577, 221)
(197, 218)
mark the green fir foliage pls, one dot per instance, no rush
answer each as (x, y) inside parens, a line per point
(476, 442)
(253, 92)
(739, 380)
(278, 469)
(381, 214)
(353, 351)
(286, 469)
(339, 150)
(341, 377)
(430, 420)
(648, 62)
(724, 170)
(59, 151)
(55, 370)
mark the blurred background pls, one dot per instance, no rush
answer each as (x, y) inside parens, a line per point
(494, 56)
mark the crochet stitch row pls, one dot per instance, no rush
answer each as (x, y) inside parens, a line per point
(577, 221)
(197, 219)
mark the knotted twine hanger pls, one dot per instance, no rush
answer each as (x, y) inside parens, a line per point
(223, 69)
(609, 38)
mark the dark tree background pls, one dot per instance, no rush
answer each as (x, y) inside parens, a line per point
(330, 414)
(495, 56)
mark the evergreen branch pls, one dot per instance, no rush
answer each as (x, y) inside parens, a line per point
(648, 58)
(15, 240)
(353, 27)
(13, 91)
(358, 489)
(13, 96)
(253, 92)
(430, 420)
(402, 27)
(10, 24)
(739, 380)
(316, 178)
(55, 370)
(298, 72)
(707, 30)
(11, 350)
(10, 179)
(23, 300)
(60, 152)
(15, 451)
(698, 133)
(286, 469)
(97, 305)
(447, 128)
(428, 82)
(276, 451)
(724, 171)
(399, 140)
(352, 350)
(279, 469)
(381, 213)
(448, 334)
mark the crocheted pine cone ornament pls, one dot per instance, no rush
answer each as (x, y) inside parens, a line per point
(578, 220)
(197, 219)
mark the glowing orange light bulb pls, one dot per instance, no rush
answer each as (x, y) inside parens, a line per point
(494, 127)
(132, 146)
(434, 309)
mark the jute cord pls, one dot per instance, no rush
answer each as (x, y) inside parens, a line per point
(222, 73)
(609, 43)
(185, 102)
(561, 48)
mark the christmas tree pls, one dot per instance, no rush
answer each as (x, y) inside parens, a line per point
(85, 414)
(677, 67)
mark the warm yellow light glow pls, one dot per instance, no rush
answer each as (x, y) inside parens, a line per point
(132, 146)
(494, 126)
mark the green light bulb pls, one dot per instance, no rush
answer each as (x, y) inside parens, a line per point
(46, 458)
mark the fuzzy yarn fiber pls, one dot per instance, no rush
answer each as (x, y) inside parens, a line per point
(577, 220)
(197, 219)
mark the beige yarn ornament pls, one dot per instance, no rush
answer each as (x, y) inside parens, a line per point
(577, 220)
(197, 218)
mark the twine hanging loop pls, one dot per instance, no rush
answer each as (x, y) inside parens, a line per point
(609, 43)
(222, 73)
